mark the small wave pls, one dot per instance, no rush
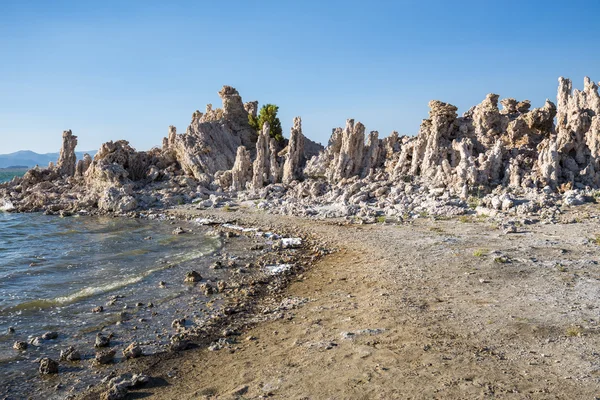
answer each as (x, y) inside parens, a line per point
(80, 294)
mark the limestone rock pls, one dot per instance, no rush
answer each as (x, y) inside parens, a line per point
(132, 351)
(211, 141)
(294, 159)
(261, 167)
(241, 173)
(67, 159)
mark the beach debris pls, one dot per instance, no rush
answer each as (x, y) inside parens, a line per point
(20, 345)
(133, 351)
(354, 334)
(48, 366)
(192, 276)
(220, 344)
(36, 341)
(70, 354)
(162, 284)
(105, 356)
(101, 340)
(278, 269)
(98, 309)
(291, 243)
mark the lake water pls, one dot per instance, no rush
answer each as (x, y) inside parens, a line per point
(54, 271)
(7, 175)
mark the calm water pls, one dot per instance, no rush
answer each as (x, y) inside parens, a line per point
(53, 271)
(6, 176)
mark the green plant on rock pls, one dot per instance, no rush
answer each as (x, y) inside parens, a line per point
(480, 252)
(268, 113)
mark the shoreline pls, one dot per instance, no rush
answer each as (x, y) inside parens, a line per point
(413, 311)
(239, 293)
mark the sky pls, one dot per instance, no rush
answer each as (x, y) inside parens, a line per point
(115, 70)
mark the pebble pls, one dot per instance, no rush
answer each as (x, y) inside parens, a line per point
(70, 354)
(50, 335)
(48, 366)
(105, 356)
(132, 351)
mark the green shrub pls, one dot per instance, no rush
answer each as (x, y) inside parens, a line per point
(268, 113)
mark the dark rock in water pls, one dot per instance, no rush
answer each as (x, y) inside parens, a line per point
(10, 330)
(105, 356)
(50, 335)
(48, 366)
(19, 345)
(70, 354)
(162, 283)
(102, 341)
(178, 323)
(36, 341)
(132, 351)
(98, 309)
(192, 276)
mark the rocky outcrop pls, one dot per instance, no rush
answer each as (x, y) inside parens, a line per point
(241, 173)
(294, 159)
(346, 154)
(577, 133)
(67, 159)
(494, 150)
(211, 141)
(83, 165)
(265, 168)
(169, 141)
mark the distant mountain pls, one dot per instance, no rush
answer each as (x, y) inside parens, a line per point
(30, 159)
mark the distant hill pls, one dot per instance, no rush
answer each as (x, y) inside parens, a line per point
(29, 159)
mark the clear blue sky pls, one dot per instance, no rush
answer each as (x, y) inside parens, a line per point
(128, 69)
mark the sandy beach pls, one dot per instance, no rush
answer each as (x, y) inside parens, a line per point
(450, 308)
